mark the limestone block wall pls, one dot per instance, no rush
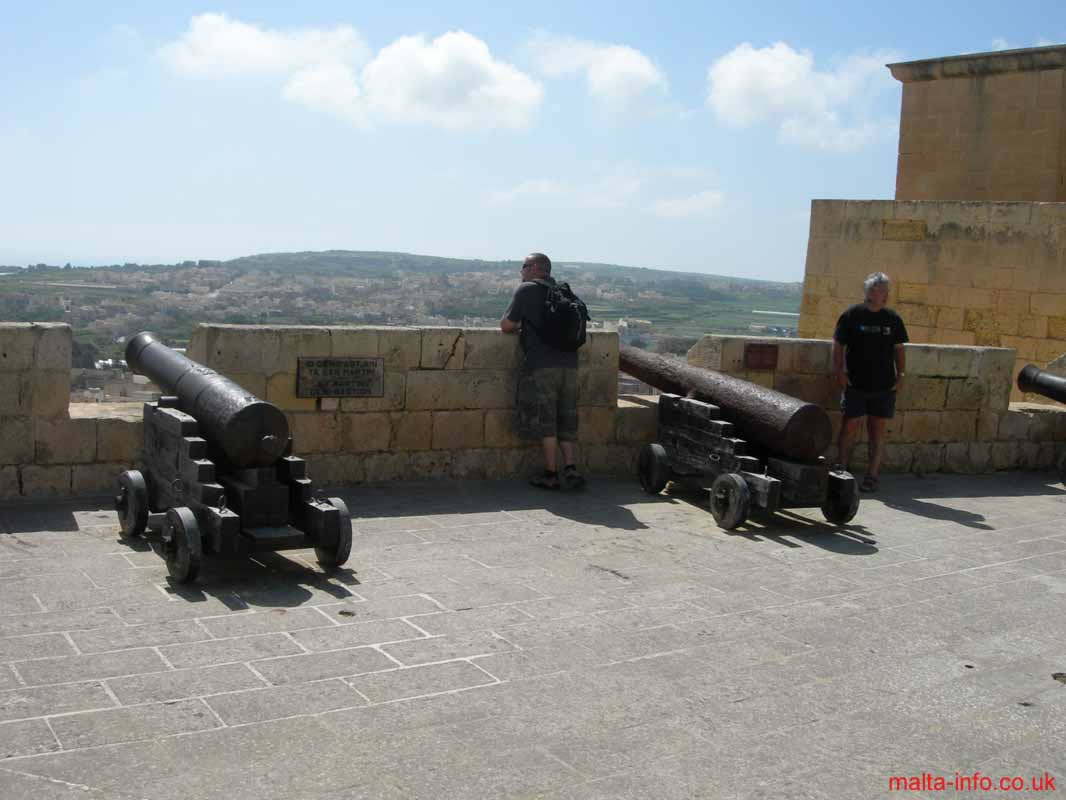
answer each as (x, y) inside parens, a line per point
(964, 273)
(987, 126)
(953, 414)
(448, 403)
(47, 446)
(446, 409)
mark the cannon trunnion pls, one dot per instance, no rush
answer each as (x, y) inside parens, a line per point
(215, 476)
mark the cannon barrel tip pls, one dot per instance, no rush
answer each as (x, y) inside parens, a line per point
(135, 346)
(1033, 380)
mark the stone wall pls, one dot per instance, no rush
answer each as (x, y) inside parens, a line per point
(953, 414)
(988, 126)
(446, 410)
(448, 404)
(40, 445)
(979, 274)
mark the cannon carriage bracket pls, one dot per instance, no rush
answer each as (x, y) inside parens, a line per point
(697, 447)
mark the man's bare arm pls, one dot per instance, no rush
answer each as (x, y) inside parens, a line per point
(509, 326)
(838, 364)
(901, 367)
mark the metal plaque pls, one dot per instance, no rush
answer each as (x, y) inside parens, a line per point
(760, 356)
(340, 377)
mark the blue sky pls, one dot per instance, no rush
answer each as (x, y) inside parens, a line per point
(684, 136)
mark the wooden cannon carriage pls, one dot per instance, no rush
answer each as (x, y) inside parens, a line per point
(763, 450)
(216, 475)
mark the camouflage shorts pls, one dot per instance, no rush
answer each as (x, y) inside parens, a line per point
(546, 404)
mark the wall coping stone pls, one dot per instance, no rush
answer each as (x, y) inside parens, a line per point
(970, 65)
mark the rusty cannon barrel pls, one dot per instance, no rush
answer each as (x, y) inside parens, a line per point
(783, 425)
(1036, 381)
(250, 431)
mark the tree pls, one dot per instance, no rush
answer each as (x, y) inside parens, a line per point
(84, 355)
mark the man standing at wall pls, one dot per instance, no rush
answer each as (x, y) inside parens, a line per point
(546, 404)
(869, 365)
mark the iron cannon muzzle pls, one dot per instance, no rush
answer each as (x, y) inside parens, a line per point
(250, 431)
(1034, 380)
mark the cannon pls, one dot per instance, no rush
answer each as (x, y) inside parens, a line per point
(216, 474)
(747, 444)
(1034, 380)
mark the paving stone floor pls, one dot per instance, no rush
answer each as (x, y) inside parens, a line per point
(491, 640)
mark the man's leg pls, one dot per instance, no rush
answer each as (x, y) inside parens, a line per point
(569, 452)
(849, 433)
(535, 415)
(875, 426)
(550, 443)
(567, 421)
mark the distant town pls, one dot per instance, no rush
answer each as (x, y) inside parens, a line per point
(654, 309)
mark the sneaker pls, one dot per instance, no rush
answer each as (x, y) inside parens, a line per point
(549, 480)
(572, 478)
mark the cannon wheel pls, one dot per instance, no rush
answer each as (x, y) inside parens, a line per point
(337, 555)
(181, 544)
(730, 500)
(840, 509)
(131, 503)
(653, 466)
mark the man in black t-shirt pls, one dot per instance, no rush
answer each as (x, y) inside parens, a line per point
(869, 364)
(546, 403)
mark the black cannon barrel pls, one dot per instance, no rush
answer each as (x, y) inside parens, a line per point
(782, 424)
(1037, 381)
(250, 431)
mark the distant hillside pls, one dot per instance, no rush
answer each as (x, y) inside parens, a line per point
(373, 264)
(104, 304)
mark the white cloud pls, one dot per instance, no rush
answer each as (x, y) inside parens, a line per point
(330, 88)
(620, 77)
(680, 192)
(535, 187)
(822, 109)
(215, 45)
(999, 43)
(700, 204)
(452, 81)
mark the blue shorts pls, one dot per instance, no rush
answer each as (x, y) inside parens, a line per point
(861, 403)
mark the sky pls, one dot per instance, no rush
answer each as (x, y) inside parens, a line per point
(671, 135)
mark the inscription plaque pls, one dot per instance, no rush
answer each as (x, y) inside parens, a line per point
(760, 356)
(340, 377)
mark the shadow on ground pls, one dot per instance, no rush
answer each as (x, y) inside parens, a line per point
(598, 503)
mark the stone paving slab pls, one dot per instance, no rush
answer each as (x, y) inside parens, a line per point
(489, 640)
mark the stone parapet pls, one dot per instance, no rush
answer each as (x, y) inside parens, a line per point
(953, 414)
(34, 369)
(447, 408)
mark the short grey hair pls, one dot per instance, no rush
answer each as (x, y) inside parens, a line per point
(875, 279)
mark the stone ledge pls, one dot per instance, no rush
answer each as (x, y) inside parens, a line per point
(971, 65)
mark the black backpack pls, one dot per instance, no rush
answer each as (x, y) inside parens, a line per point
(565, 316)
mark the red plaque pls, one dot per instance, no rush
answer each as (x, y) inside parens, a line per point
(760, 356)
